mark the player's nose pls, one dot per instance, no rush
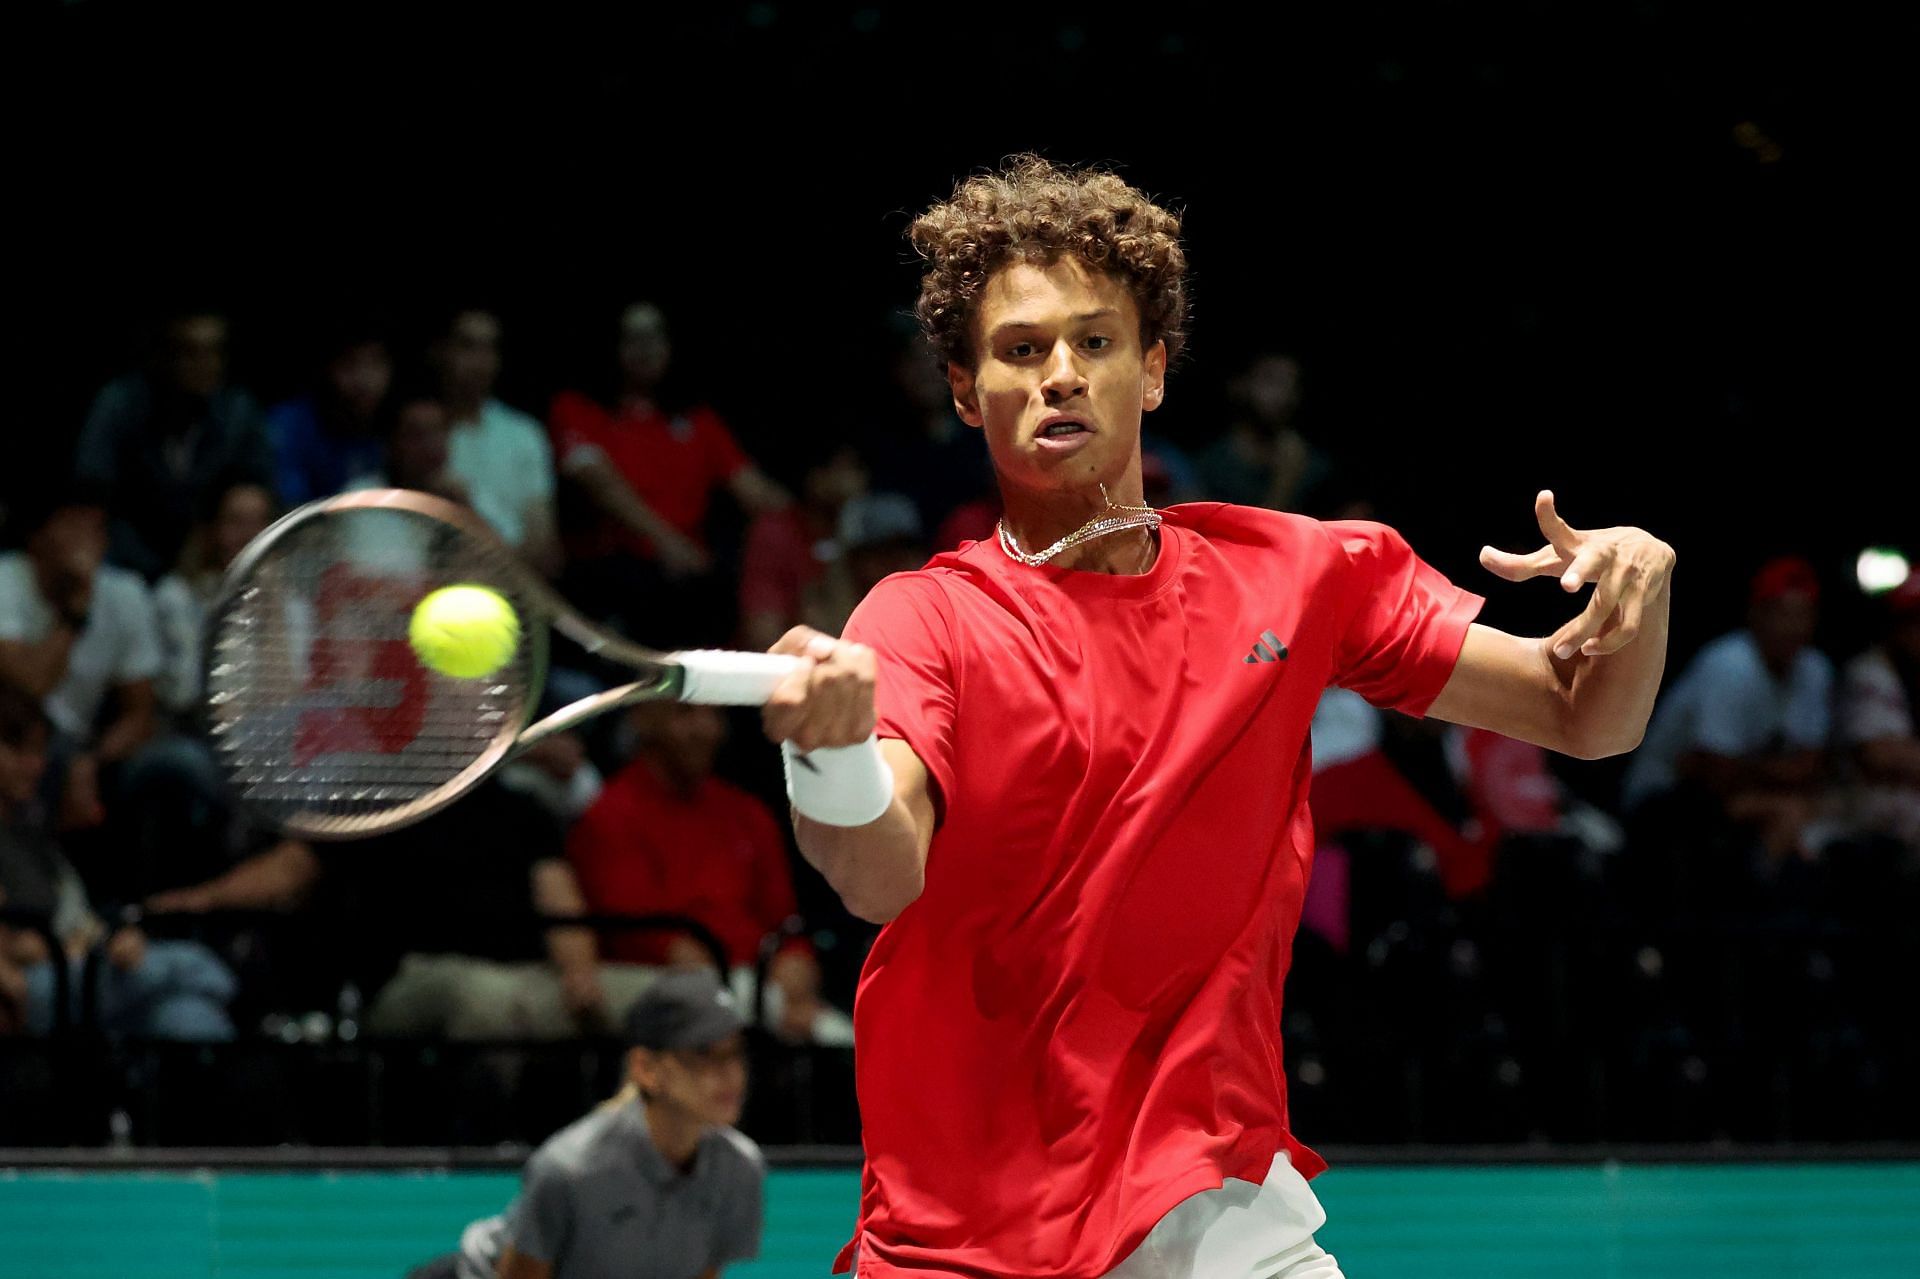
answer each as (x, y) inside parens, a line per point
(1063, 379)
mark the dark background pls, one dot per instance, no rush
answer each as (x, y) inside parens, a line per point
(1651, 255)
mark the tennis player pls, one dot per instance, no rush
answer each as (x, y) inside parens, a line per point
(1084, 820)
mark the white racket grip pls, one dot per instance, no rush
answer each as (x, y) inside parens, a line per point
(717, 677)
(839, 785)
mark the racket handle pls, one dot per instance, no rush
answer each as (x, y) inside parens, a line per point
(717, 677)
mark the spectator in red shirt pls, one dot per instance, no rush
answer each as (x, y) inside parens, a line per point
(791, 552)
(649, 470)
(667, 836)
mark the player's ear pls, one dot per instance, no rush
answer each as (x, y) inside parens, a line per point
(966, 401)
(1153, 385)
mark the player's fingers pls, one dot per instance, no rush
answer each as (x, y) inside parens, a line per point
(1516, 567)
(1626, 616)
(1569, 639)
(797, 642)
(1587, 566)
(1562, 535)
(786, 709)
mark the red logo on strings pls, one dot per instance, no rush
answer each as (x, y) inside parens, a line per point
(344, 659)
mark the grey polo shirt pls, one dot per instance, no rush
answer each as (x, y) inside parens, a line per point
(598, 1201)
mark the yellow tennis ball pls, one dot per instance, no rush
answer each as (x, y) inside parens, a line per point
(464, 631)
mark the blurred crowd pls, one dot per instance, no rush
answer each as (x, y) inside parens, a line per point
(1770, 764)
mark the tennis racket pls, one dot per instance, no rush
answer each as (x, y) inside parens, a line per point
(327, 725)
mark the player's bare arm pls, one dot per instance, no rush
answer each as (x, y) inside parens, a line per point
(880, 867)
(1588, 689)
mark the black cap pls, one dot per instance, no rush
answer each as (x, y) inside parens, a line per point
(684, 1008)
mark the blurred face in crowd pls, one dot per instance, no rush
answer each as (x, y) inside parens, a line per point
(360, 376)
(69, 544)
(682, 740)
(708, 1084)
(916, 371)
(868, 565)
(417, 450)
(197, 353)
(245, 510)
(1059, 343)
(470, 356)
(22, 763)
(1783, 626)
(645, 351)
(1270, 389)
(834, 481)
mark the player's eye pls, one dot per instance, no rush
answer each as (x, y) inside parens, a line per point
(1096, 342)
(1020, 350)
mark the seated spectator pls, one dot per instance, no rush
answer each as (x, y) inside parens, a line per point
(1743, 733)
(1356, 787)
(81, 635)
(499, 454)
(654, 1184)
(162, 990)
(240, 512)
(1514, 792)
(880, 535)
(1264, 459)
(441, 918)
(925, 451)
(1880, 723)
(155, 443)
(667, 836)
(790, 552)
(649, 467)
(323, 440)
(418, 438)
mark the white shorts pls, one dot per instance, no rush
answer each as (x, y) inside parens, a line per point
(1238, 1230)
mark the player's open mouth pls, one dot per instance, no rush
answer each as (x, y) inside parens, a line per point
(1061, 433)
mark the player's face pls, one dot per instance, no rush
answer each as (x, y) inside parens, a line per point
(1060, 377)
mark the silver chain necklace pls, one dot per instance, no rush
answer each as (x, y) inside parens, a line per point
(1115, 519)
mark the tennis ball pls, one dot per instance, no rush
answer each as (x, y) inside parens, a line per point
(464, 631)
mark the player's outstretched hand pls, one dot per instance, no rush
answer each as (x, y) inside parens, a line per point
(1627, 567)
(829, 700)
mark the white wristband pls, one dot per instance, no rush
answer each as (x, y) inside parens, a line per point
(839, 785)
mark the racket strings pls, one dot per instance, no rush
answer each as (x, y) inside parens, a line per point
(323, 718)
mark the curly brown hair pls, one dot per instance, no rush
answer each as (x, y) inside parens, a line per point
(1036, 212)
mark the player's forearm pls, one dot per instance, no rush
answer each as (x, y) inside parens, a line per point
(1611, 697)
(878, 869)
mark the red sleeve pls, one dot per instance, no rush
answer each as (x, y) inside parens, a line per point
(768, 583)
(725, 458)
(906, 622)
(1403, 622)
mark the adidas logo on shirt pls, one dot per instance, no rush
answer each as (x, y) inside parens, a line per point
(1267, 648)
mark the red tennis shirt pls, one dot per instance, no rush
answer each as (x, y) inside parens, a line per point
(1077, 1023)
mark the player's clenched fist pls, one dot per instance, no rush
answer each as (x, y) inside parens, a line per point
(829, 700)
